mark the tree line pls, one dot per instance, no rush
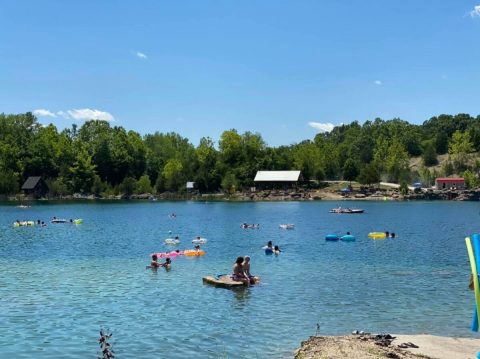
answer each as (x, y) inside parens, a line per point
(100, 159)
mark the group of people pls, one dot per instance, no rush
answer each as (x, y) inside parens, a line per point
(241, 271)
(154, 264)
(271, 249)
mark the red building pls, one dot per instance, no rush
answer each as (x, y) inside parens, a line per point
(446, 183)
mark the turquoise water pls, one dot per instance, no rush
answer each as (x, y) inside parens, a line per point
(60, 284)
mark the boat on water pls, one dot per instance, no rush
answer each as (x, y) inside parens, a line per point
(287, 226)
(341, 210)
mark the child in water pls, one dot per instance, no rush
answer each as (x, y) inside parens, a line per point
(167, 264)
(276, 250)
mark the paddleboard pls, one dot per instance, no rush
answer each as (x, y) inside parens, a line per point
(473, 265)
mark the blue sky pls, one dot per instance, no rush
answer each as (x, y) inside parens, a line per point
(277, 67)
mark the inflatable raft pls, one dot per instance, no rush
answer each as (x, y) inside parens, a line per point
(199, 241)
(172, 241)
(23, 223)
(377, 235)
(332, 237)
(194, 253)
(225, 281)
(78, 221)
(347, 238)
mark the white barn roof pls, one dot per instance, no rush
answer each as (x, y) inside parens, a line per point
(277, 176)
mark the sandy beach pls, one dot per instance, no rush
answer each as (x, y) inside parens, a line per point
(403, 346)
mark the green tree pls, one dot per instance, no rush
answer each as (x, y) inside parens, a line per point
(397, 160)
(350, 170)
(172, 173)
(471, 180)
(82, 173)
(229, 183)
(127, 187)
(429, 156)
(369, 174)
(143, 185)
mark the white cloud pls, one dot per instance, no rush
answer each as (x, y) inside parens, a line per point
(41, 112)
(141, 55)
(475, 12)
(84, 114)
(377, 82)
(322, 127)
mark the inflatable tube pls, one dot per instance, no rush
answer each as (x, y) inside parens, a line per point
(331, 237)
(59, 220)
(23, 223)
(268, 251)
(78, 221)
(194, 253)
(377, 235)
(171, 254)
(172, 241)
(348, 238)
(476, 287)
(199, 241)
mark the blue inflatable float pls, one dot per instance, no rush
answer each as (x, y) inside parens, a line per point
(331, 237)
(348, 238)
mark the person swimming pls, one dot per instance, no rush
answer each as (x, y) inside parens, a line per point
(276, 250)
(392, 235)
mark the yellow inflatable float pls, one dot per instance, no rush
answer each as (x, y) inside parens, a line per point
(377, 235)
(194, 253)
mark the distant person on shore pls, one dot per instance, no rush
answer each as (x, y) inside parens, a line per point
(238, 274)
(276, 250)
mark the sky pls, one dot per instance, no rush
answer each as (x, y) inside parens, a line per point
(285, 69)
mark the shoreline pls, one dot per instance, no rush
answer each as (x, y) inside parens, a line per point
(365, 346)
(300, 195)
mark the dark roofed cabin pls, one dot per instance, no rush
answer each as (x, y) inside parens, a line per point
(35, 187)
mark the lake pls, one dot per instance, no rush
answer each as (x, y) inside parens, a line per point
(60, 284)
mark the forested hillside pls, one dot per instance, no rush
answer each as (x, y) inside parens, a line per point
(100, 159)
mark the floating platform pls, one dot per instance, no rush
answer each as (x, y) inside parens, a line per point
(225, 281)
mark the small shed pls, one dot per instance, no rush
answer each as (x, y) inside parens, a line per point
(278, 179)
(35, 187)
(450, 182)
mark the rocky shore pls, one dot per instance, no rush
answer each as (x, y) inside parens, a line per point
(367, 346)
